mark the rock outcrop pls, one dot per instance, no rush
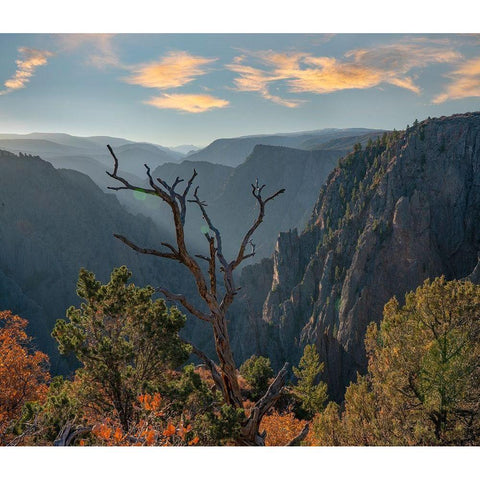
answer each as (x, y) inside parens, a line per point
(403, 209)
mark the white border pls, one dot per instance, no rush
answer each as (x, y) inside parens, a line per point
(239, 16)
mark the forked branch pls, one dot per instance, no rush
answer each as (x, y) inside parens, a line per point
(181, 299)
(149, 251)
(211, 365)
(257, 193)
(225, 373)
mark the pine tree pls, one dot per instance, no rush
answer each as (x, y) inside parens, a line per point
(257, 371)
(311, 392)
(123, 338)
(423, 380)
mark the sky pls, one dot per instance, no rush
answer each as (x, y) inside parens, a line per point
(174, 89)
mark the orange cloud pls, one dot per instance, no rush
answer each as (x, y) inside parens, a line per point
(30, 60)
(172, 71)
(252, 79)
(187, 102)
(465, 82)
(330, 75)
(301, 72)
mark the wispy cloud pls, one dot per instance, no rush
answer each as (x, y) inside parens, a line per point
(30, 59)
(173, 70)
(101, 52)
(465, 82)
(253, 79)
(300, 72)
(192, 103)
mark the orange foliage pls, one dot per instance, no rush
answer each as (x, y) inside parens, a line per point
(150, 428)
(151, 402)
(23, 374)
(170, 430)
(281, 428)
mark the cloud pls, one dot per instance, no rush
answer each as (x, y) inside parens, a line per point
(465, 82)
(192, 103)
(300, 72)
(100, 47)
(252, 79)
(174, 70)
(30, 59)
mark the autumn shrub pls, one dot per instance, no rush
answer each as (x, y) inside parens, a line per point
(23, 372)
(281, 428)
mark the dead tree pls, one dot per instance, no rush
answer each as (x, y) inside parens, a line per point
(216, 305)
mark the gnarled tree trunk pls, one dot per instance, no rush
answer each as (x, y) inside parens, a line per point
(225, 373)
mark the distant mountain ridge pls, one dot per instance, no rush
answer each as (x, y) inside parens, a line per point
(88, 155)
(233, 151)
(54, 221)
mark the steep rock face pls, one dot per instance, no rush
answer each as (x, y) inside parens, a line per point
(404, 209)
(247, 334)
(231, 206)
(300, 172)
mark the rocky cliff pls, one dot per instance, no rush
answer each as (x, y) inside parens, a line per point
(404, 208)
(231, 205)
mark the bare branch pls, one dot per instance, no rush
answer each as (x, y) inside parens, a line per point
(189, 184)
(171, 247)
(263, 405)
(149, 251)
(257, 193)
(274, 391)
(225, 373)
(217, 378)
(211, 226)
(295, 442)
(127, 185)
(181, 299)
(176, 182)
(175, 195)
(68, 433)
(212, 268)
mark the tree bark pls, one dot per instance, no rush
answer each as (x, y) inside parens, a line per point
(225, 373)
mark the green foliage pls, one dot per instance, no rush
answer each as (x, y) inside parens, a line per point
(311, 393)
(338, 273)
(423, 380)
(219, 427)
(213, 422)
(187, 392)
(123, 338)
(257, 371)
(421, 133)
(61, 407)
